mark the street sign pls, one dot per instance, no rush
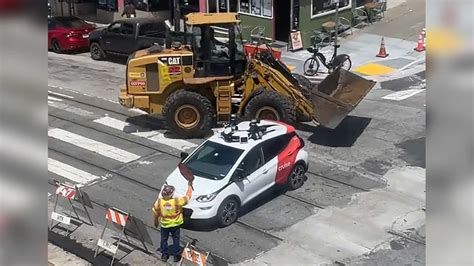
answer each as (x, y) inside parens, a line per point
(61, 218)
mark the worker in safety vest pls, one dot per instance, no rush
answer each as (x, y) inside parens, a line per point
(168, 214)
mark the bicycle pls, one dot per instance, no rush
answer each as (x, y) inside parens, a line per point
(311, 65)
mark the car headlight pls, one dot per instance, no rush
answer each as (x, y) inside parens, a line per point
(206, 198)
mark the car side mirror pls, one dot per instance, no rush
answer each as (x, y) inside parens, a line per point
(183, 155)
(239, 174)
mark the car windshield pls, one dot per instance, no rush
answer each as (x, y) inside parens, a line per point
(213, 160)
(71, 22)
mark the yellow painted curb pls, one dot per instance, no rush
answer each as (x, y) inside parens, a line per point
(372, 69)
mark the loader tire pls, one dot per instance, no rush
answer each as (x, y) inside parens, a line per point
(305, 89)
(271, 106)
(188, 114)
(305, 85)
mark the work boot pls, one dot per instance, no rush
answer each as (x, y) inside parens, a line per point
(177, 258)
(165, 257)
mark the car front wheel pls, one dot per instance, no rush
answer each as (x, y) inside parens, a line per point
(228, 212)
(296, 177)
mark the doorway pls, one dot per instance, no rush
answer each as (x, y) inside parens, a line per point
(281, 19)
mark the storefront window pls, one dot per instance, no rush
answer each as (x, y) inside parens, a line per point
(221, 6)
(211, 6)
(360, 3)
(109, 5)
(233, 6)
(143, 5)
(256, 7)
(188, 6)
(324, 7)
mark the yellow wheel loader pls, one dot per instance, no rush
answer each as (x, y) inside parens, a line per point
(206, 78)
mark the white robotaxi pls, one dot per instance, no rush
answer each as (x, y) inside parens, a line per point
(239, 163)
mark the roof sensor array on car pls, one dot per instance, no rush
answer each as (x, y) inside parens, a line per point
(254, 132)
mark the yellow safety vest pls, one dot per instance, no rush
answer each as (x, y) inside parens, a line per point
(171, 211)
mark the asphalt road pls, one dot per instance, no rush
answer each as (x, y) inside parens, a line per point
(121, 158)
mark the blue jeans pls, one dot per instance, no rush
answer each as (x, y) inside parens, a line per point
(165, 232)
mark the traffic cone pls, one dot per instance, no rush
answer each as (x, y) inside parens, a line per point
(420, 46)
(382, 52)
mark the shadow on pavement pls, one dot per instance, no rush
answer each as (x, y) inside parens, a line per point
(345, 135)
(79, 250)
(146, 122)
(259, 201)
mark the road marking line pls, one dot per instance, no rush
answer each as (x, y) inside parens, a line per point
(71, 173)
(402, 95)
(93, 145)
(145, 133)
(70, 108)
(61, 95)
(54, 99)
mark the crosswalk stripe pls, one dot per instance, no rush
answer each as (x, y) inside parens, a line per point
(60, 94)
(92, 145)
(145, 133)
(70, 172)
(402, 95)
(54, 99)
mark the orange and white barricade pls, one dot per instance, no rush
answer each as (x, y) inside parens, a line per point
(128, 226)
(70, 193)
(120, 218)
(190, 254)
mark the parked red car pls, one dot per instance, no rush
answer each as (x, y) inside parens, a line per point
(68, 33)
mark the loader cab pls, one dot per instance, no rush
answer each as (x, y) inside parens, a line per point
(218, 49)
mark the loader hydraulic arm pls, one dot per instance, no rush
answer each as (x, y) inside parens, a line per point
(260, 75)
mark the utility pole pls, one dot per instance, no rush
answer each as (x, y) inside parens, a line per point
(177, 16)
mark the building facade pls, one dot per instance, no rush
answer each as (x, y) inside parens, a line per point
(279, 17)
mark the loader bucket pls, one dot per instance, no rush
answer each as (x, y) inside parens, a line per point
(337, 95)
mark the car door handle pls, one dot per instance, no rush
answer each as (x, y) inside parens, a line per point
(265, 171)
(291, 153)
(107, 42)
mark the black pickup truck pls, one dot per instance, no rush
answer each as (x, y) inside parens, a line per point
(123, 37)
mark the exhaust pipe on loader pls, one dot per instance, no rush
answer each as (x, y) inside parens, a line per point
(337, 95)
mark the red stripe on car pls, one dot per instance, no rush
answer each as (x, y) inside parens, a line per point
(286, 160)
(289, 128)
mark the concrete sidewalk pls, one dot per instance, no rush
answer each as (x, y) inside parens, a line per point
(400, 27)
(362, 48)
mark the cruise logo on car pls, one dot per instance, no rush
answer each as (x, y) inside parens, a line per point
(283, 166)
(137, 83)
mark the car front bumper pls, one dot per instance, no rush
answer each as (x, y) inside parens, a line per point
(200, 211)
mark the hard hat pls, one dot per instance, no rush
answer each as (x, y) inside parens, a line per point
(167, 191)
